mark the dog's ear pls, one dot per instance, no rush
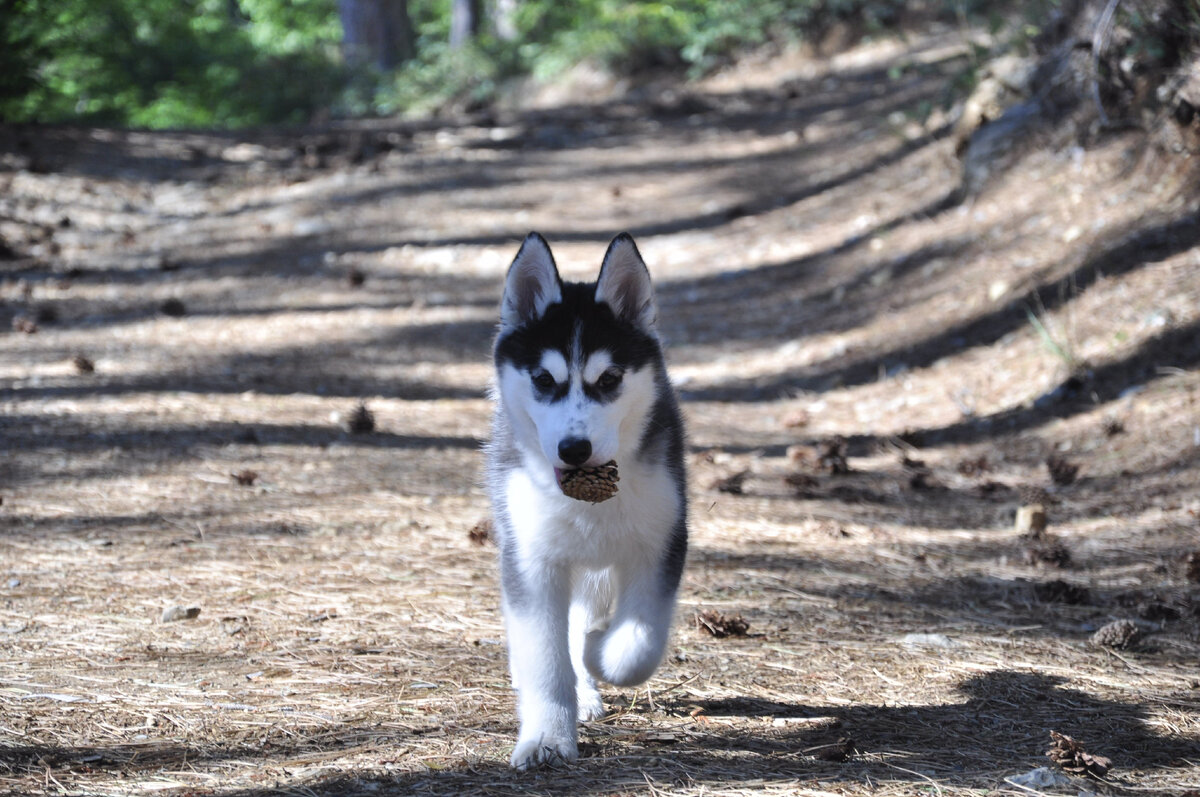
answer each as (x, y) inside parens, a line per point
(532, 284)
(624, 284)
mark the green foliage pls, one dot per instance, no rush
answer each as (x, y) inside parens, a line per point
(441, 75)
(166, 63)
(200, 63)
(623, 37)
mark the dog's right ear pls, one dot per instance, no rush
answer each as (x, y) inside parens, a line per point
(532, 284)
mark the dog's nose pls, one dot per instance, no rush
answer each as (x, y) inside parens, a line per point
(574, 450)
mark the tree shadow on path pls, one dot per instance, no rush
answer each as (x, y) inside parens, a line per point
(999, 729)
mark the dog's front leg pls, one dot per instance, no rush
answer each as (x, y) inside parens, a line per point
(536, 609)
(627, 651)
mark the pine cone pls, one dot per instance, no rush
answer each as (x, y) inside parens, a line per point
(1062, 470)
(361, 421)
(245, 478)
(734, 484)
(1031, 494)
(831, 456)
(841, 750)
(721, 625)
(481, 532)
(1070, 755)
(591, 484)
(1119, 634)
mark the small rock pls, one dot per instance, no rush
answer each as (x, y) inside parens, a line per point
(234, 625)
(796, 418)
(1040, 778)
(175, 613)
(928, 641)
(83, 365)
(1031, 521)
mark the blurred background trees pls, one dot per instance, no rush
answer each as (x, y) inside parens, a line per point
(230, 63)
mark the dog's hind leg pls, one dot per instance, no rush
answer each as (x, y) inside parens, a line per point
(589, 604)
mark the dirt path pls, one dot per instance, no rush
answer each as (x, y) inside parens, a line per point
(216, 305)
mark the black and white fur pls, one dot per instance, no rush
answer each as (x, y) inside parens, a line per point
(588, 589)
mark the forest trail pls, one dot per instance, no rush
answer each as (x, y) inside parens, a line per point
(877, 370)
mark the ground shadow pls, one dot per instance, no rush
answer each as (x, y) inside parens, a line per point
(1133, 250)
(1000, 723)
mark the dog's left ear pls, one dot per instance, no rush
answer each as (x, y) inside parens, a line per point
(624, 284)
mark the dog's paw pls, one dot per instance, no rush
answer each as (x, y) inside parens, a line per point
(543, 751)
(623, 655)
(591, 705)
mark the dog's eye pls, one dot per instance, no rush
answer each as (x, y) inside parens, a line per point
(543, 380)
(609, 379)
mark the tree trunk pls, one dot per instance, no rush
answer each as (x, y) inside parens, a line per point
(464, 21)
(376, 32)
(504, 19)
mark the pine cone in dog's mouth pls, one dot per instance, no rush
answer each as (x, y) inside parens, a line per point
(589, 484)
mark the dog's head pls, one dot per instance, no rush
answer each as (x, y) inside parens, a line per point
(577, 363)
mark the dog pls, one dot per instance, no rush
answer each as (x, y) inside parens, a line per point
(588, 589)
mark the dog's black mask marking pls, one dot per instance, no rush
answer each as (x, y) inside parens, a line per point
(631, 347)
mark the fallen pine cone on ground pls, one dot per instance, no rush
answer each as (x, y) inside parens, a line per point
(1119, 634)
(481, 532)
(721, 625)
(361, 421)
(841, 750)
(1070, 755)
(734, 484)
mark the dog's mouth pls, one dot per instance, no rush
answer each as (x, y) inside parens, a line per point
(592, 484)
(568, 473)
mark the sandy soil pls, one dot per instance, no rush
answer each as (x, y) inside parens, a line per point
(212, 305)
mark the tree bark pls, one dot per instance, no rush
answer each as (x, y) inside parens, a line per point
(464, 21)
(376, 32)
(504, 19)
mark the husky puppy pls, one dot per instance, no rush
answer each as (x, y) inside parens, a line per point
(588, 588)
